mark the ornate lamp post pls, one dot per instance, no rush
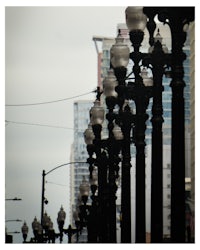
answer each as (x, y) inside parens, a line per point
(77, 222)
(89, 137)
(159, 59)
(84, 189)
(119, 60)
(46, 222)
(92, 219)
(94, 183)
(119, 57)
(84, 208)
(176, 18)
(47, 225)
(109, 85)
(93, 222)
(137, 91)
(37, 231)
(51, 233)
(70, 231)
(24, 231)
(140, 92)
(61, 222)
(97, 118)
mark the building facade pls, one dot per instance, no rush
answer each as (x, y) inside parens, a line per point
(79, 154)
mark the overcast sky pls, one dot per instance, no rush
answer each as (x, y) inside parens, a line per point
(50, 55)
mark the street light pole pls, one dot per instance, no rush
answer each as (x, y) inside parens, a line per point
(109, 84)
(119, 60)
(43, 185)
(177, 18)
(43, 198)
(140, 93)
(157, 60)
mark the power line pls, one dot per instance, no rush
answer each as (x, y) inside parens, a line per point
(37, 124)
(41, 125)
(48, 102)
(50, 182)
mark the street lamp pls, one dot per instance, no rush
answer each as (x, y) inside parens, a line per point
(96, 118)
(157, 60)
(77, 222)
(84, 190)
(61, 221)
(37, 230)
(139, 91)
(89, 137)
(44, 200)
(24, 231)
(176, 18)
(109, 89)
(94, 182)
(46, 222)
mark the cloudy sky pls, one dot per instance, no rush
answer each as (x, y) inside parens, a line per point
(49, 56)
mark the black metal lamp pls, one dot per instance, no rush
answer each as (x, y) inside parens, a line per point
(119, 54)
(89, 138)
(94, 182)
(51, 233)
(84, 190)
(37, 230)
(158, 62)
(84, 208)
(77, 222)
(24, 231)
(137, 91)
(97, 118)
(45, 222)
(61, 221)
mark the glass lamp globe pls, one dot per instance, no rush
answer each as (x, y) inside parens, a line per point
(50, 225)
(61, 215)
(75, 215)
(84, 187)
(45, 220)
(117, 132)
(109, 84)
(97, 113)
(135, 18)
(119, 53)
(89, 135)
(24, 228)
(35, 224)
(94, 180)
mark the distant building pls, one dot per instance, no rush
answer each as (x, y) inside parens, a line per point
(79, 154)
